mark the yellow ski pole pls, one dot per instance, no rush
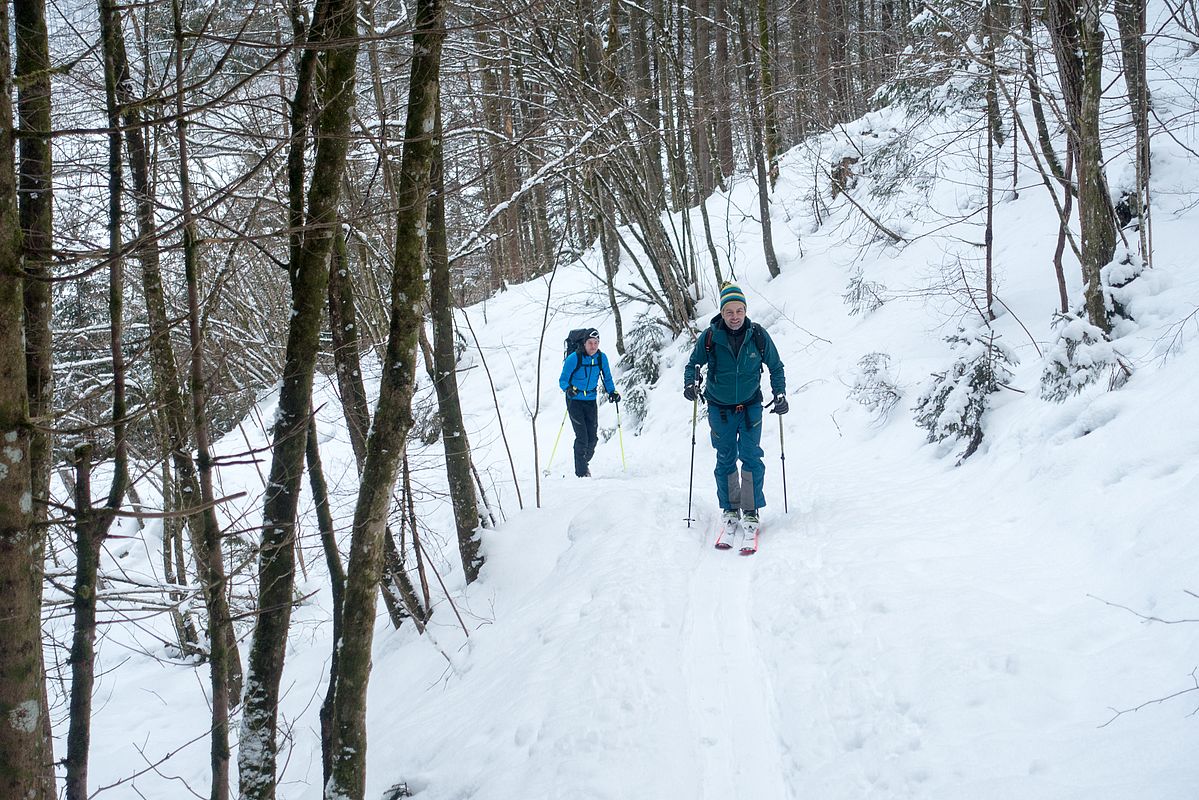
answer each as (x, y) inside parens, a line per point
(620, 436)
(556, 438)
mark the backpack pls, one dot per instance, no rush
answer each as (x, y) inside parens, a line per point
(574, 340)
(573, 343)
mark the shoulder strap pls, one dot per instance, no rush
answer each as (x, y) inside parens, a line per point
(759, 338)
(578, 363)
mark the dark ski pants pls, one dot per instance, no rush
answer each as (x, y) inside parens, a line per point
(584, 418)
(737, 434)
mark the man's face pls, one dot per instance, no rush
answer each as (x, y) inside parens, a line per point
(733, 314)
(591, 346)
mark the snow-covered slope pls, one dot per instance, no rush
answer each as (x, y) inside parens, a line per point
(909, 629)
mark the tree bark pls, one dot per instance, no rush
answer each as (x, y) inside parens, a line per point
(445, 379)
(337, 584)
(393, 416)
(1078, 46)
(83, 605)
(1130, 17)
(755, 125)
(769, 107)
(724, 78)
(334, 34)
(343, 326)
(25, 748)
(225, 671)
(36, 203)
(1034, 96)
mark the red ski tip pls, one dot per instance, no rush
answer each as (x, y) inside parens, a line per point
(748, 551)
(723, 546)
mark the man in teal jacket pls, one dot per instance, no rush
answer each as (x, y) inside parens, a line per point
(581, 373)
(734, 350)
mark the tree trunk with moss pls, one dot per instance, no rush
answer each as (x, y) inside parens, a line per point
(1078, 46)
(445, 378)
(755, 131)
(335, 37)
(393, 415)
(25, 749)
(36, 204)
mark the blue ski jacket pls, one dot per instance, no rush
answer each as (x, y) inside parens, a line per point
(733, 381)
(584, 371)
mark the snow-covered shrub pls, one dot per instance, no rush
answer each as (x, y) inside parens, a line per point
(863, 296)
(1081, 355)
(953, 403)
(875, 386)
(1118, 281)
(640, 367)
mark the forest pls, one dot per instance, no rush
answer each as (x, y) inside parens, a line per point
(203, 203)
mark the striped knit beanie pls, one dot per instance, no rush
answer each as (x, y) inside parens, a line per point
(731, 292)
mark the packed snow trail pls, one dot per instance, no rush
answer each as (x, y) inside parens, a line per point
(897, 636)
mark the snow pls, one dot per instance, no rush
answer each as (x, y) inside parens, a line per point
(908, 629)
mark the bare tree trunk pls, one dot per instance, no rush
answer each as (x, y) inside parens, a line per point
(36, 201)
(751, 93)
(1034, 96)
(172, 540)
(1130, 16)
(724, 79)
(337, 583)
(1078, 45)
(91, 525)
(343, 326)
(225, 672)
(702, 110)
(334, 34)
(445, 379)
(393, 417)
(994, 133)
(25, 748)
(36, 192)
(769, 109)
(89, 533)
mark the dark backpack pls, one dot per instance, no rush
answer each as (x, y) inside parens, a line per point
(574, 344)
(574, 340)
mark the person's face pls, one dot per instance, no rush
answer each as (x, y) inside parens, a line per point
(733, 314)
(591, 346)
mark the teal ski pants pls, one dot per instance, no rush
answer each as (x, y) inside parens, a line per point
(737, 435)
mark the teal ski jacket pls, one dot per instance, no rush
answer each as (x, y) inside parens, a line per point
(733, 381)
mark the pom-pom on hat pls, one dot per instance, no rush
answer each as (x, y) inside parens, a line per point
(730, 293)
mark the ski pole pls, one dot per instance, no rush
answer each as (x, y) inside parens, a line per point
(556, 438)
(783, 458)
(620, 436)
(691, 479)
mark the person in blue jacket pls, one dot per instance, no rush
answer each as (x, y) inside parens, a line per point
(581, 372)
(734, 351)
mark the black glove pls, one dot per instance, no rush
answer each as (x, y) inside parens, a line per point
(691, 391)
(571, 391)
(780, 405)
(613, 397)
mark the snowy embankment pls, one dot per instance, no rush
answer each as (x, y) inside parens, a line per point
(909, 629)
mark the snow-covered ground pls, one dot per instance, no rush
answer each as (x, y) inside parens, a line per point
(909, 628)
